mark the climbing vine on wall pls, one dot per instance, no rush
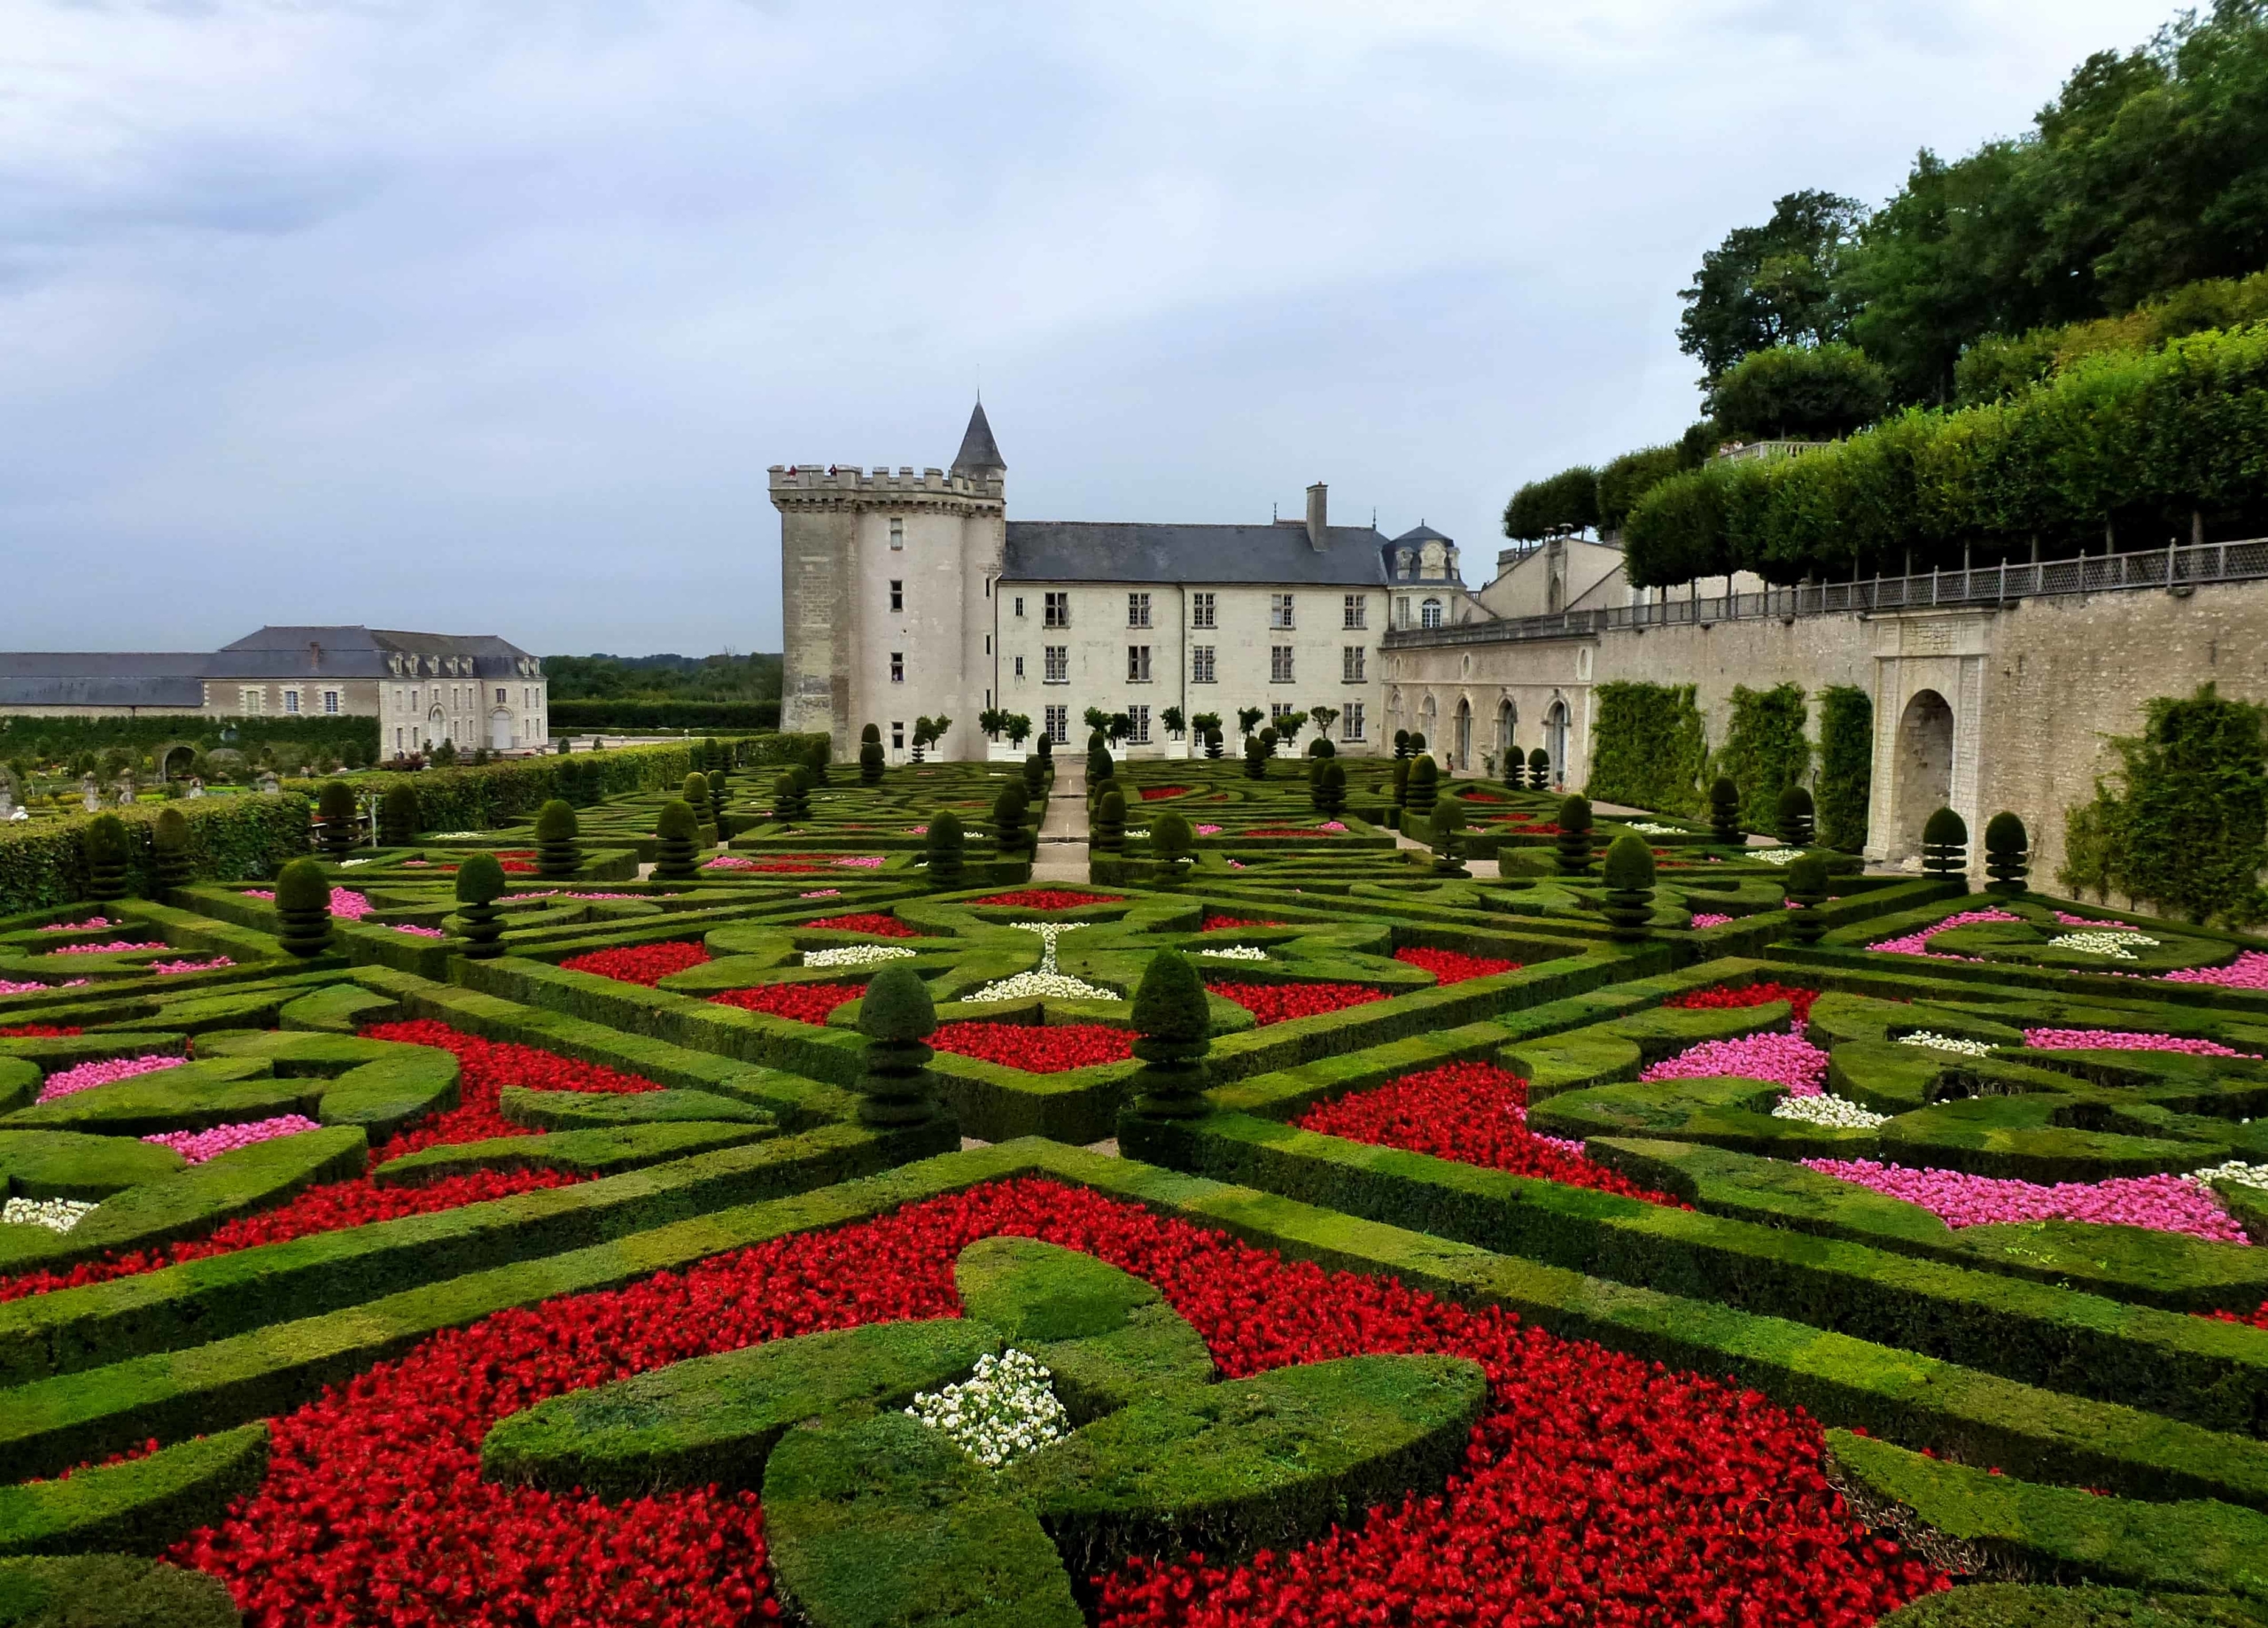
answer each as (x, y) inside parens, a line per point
(2185, 829)
(1846, 766)
(1764, 748)
(1646, 747)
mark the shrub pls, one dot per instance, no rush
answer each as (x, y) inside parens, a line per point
(1447, 841)
(676, 831)
(303, 904)
(898, 1017)
(169, 849)
(1423, 790)
(819, 755)
(870, 762)
(109, 1591)
(1765, 750)
(1574, 839)
(1846, 766)
(1330, 794)
(1008, 810)
(696, 792)
(1402, 743)
(2007, 854)
(480, 883)
(1108, 834)
(1792, 817)
(946, 841)
(1628, 874)
(1255, 758)
(1807, 887)
(1539, 769)
(1099, 767)
(398, 815)
(1035, 776)
(334, 802)
(789, 801)
(1401, 781)
(1648, 749)
(108, 852)
(1724, 811)
(556, 851)
(1172, 840)
(1945, 844)
(1171, 1025)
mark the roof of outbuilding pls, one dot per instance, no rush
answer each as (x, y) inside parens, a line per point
(79, 678)
(1113, 551)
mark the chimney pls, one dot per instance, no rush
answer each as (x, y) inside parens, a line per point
(1318, 506)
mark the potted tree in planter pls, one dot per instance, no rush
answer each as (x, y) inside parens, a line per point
(1176, 725)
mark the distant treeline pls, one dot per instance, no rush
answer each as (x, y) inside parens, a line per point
(34, 740)
(662, 678)
(642, 713)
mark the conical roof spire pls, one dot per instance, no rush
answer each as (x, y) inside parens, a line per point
(979, 454)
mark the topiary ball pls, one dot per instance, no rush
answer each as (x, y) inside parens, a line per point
(1172, 1023)
(397, 819)
(109, 851)
(169, 845)
(2007, 854)
(1793, 815)
(896, 1006)
(1574, 813)
(871, 735)
(303, 907)
(1629, 862)
(556, 821)
(677, 822)
(480, 881)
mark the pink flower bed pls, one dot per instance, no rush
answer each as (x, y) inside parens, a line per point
(1709, 918)
(2069, 920)
(2163, 1202)
(2125, 1040)
(1784, 1060)
(112, 948)
(821, 893)
(1918, 943)
(2248, 971)
(1209, 830)
(86, 1076)
(620, 896)
(196, 1146)
(415, 931)
(8, 988)
(89, 925)
(729, 861)
(212, 965)
(345, 903)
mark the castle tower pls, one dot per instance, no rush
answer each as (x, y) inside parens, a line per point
(886, 588)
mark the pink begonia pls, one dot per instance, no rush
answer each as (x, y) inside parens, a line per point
(1709, 918)
(345, 903)
(1331, 824)
(90, 924)
(212, 965)
(861, 862)
(2162, 1203)
(86, 1076)
(2125, 1040)
(415, 931)
(2248, 971)
(917, 830)
(113, 948)
(196, 1146)
(7, 988)
(1784, 1060)
(1237, 864)
(821, 893)
(621, 896)
(1917, 943)
(2069, 920)
(729, 861)
(1209, 830)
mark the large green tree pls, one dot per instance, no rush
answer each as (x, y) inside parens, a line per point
(1771, 285)
(1800, 393)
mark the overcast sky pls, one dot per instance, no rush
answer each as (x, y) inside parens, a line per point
(488, 318)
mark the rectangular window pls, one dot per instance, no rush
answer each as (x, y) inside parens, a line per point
(1350, 663)
(1019, 667)
(988, 644)
(1279, 664)
(897, 735)
(897, 532)
(1059, 665)
(1279, 611)
(1058, 610)
(397, 741)
(1141, 717)
(1137, 663)
(897, 593)
(898, 667)
(413, 700)
(1019, 604)
(1200, 610)
(1278, 710)
(331, 702)
(1137, 610)
(1200, 664)
(1058, 724)
(291, 701)
(249, 701)
(1350, 725)
(500, 697)
(1357, 611)
(1401, 611)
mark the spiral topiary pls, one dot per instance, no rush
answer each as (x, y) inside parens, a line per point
(1172, 840)
(557, 853)
(1036, 774)
(1424, 789)
(2007, 854)
(1402, 743)
(1628, 874)
(480, 883)
(1172, 1030)
(1255, 758)
(1792, 817)
(1402, 782)
(1099, 767)
(1109, 832)
(897, 1017)
(303, 906)
(334, 802)
(1446, 840)
(718, 765)
(788, 802)
(110, 853)
(1724, 811)
(696, 792)
(1945, 845)
(169, 848)
(1539, 769)
(1330, 795)
(676, 833)
(1807, 888)
(870, 760)
(1574, 839)
(1008, 810)
(817, 757)
(945, 841)
(398, 815)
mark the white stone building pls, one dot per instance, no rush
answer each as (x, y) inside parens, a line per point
(906, 596)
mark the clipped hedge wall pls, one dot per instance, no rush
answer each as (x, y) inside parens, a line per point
(231, 838)
(1765, 750)
(492, 794)
(627, 715)
(1647, 747)
(1846, 766)
(41, 737)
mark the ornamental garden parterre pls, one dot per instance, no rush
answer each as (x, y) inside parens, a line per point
(700, 1185)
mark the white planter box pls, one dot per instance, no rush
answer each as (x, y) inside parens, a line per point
(1177, 751)
(1001, 752)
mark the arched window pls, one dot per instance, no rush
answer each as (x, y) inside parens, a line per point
(1429, 614)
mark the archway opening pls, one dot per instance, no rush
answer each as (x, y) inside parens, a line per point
(1507, 719)
(499, 731)
(179, 758)
(1925, 766)
(1555, 741)
(1464, 735)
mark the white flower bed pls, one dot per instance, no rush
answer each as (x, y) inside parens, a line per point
(348, 865)
(1828, 1109)
(2234, 1170)
(1047, 985)
(2111, 944)
(1936, 1042)
(1651, 829)
(855, 955)
(1006, 1411)
(1776, 856)
(58, 1215)
(458, 836)
(1236, 952)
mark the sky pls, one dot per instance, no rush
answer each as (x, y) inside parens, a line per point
(489, 317)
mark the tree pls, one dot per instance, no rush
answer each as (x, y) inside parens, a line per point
(1288, 725)
(1248, 719)
(1323, 717)
(1018, 728)
(1800, 393)
(1771, 284)
(1561, 505)
(1623, 481)
(1097, 720)
(1175, 722)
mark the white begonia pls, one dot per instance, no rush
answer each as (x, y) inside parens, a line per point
(1653, 830)
(2234, 1170)
(1776, 856)
(2111, 944)
(348, 865)
(1828, 1109)
(1046, 985)
(1236, 952)
(56, 1214)
(1006, 1411)
(855, 955)
(458, 836)
(1936, 1042)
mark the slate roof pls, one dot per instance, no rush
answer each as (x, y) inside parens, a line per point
(175, 678)
(979, 453)
(1423, 533)
(101, 678)
(1113, 551)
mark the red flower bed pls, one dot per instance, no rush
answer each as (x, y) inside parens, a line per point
(1279, 1003)
(1287, 830)
(1474, 1113)
(645, 964)
(37, 1031)
(488, 1067)
(1050, 1049)
(874, 924)
(806, 1003)
(1716, 996)
(1597, 1487)
(1215, 923)
(1048, 898)
(1480, 796)
(1451, 966)
(2255, 1320)
(1151, 793)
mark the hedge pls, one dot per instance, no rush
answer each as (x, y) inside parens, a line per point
(2025, 1605)
(1846, 766)
(111, 1591)
(142, 1506)
(1648, 749)
(635, 715)
(43, 738)
(231, 838)
(1765, 749)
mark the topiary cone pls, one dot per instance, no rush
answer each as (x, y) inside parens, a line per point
(1255, 758)
(1008, 810)
(1724, 811)
(1330, 789)
(1539, 769)
(677, 833)
(696, 792)
(2007, 854)
(109, 853)
(1628, 874)
(303, 905)
(557, 853)
(334, 802)
(1448, 843)
(1574, 838)
(788, 804)
(398, 815)
(1807, 887)
(870, 762)
(945, 842)
(1035, 775)
(1172, 1027)
(1793, 816)
(1172, 840)
(169, 845)
(1945, 845)
(480, 883)
(897, 1018)
(1108, 834)
(1423, 790)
